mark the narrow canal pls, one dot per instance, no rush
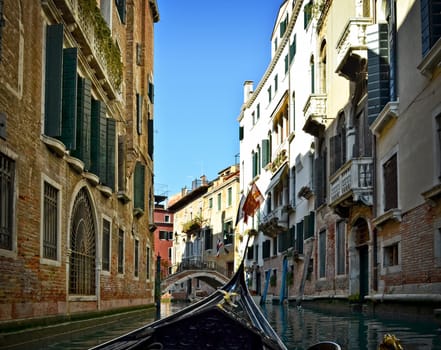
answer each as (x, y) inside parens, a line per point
(298, 328)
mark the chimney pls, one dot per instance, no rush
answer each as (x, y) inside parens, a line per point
(247, 90)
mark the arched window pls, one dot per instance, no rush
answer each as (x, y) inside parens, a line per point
(83, 247)
(312, 73)
(323, 87)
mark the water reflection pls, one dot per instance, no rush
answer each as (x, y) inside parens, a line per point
(300, 328)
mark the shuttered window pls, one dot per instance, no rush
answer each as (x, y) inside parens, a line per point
(241, 133)
(341, 247)
(151, 138)
(378, 69)
(390, 183)
(110, 153)
(266, 249)
(208, 238)
(97, 137)
(299, 237)
(151, 92)
(53, 80)
(84, 101)
(69, 100)
(322, 254)
(266, 156)
(139, 186)
(139, 113)
(105, 265)
(292, 49)
(121, 7)
(430, 23)
(121, 163)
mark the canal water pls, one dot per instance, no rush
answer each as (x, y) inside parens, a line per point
(299, 328)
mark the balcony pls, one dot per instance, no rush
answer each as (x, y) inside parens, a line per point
(352, 48)
(94, 38)
(352, 183)
(275, 222)
(315, 114)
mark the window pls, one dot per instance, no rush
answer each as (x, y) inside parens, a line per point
(323, 75)
(266, 249)
(438, 138)
(322, 254)
(106, 11)
(309, 225)
(148, 262)
(299, 237)
(219, 201)
(292, 49)
(208, 238)
(2, 24)
(286, 63)
(167, 218)
(139, 182)
(307, 14)
(337, 145)
(283, 26)
(430, 23)
(286, 239)
(51, 219)
(258, 111)
(269, 94)
(275, 239)
(229, 196)
(391, 16)
(210, 203)
(120, 251)
(276, 83)
(390, 183)
(136, 257)
(228, 232)
(390, 257)
(170, 253)
(122, 163)
(121, 7)
(250, 253)
(253, 116)
(82, 262)
(7, 184)
(165, 235)
(105, 265)
(266, 156)
(138, 54)
(312, 74)
(139, 113)
(341, 248)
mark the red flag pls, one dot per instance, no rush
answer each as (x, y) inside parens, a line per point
(253, 201)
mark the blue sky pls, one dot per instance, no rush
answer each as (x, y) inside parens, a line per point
(203, 52)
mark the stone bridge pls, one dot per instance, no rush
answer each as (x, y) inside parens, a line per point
(213, 278)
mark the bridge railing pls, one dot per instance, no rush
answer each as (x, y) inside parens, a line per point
(196, 263)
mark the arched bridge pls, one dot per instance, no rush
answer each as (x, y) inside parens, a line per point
(205, 272)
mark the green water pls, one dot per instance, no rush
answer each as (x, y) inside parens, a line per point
(300, 328)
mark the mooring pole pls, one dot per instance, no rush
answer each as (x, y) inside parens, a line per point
(158, 287)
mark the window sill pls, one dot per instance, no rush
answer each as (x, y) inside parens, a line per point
(431, 61)
(390, 215)
(54, 145)
(431, 195)
(75, 163)
(105, 190)
(92, 178)
(389, 112)
(123, 196)
(83, 298)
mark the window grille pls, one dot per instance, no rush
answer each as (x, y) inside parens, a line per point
(120, 251)
(106, 245)
(83, 250)
(7, 171)
(50, 222)
(136, 258)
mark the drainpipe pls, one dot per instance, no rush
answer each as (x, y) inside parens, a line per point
(374, 213)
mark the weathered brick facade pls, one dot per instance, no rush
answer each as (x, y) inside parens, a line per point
(33, 285)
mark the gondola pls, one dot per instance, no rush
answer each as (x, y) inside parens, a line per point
(227, 319)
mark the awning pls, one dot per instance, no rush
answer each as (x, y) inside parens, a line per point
(276, 177)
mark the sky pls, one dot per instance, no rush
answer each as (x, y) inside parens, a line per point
(204, 51)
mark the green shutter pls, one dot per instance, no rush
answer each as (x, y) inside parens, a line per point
(378, 69)
(110, 153)
(98, 139)
(150, 140)
(240, 133)
(139, 113)
(53, 80)
(121, 163)
(83, 122)
(152, 92)
(139, 186)
(265, 152)
(69, 104)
